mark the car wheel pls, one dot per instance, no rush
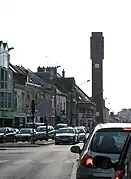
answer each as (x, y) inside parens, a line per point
(14, 140)
(56, 143)
(3, 140)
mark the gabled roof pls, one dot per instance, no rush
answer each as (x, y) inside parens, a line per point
(65, 84)
(21, 70)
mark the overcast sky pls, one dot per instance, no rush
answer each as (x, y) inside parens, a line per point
(61, 30)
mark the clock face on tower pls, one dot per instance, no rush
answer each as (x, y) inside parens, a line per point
(97, 65)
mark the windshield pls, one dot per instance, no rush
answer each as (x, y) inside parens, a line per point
(60, 126)
(81, 130)
(25, 131)
(109, 141)
(41, 129)
(65, 131)
(2, 130)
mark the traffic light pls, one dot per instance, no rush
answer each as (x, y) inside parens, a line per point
(33, 106)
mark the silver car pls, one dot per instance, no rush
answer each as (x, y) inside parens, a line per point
(105, 140)
(65, 135)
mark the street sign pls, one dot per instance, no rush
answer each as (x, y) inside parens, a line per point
(46, 108)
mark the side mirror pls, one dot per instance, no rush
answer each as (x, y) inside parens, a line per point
(103, 162)
(75, 149)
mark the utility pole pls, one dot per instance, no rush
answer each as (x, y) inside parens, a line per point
(71, 110)
(46, 123)
(77, 112)
(55, 105)
(33, 116)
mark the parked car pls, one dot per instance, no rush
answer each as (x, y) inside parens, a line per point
(42, 135)
(77, 134)
(16, 130)
(60, 125)
(65, 135)
(82, 133)
(7, 134)
(122, 167)
(106, 140)
(25, 134)
(51, 134)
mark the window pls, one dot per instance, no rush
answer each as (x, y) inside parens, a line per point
(4, 78)
(2, 74)
(64, 106)
(109, 141)
(15, 100)
(9, 100)
(3, 99)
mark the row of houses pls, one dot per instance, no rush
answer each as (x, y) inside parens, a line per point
(19, 86)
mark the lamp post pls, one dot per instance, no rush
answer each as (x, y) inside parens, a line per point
(55, 91)
(77, 101)
(33, 113)
(84, 83)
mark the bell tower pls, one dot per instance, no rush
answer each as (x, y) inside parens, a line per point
(97, 56)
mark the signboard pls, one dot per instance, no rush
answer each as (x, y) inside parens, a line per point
(46, 108)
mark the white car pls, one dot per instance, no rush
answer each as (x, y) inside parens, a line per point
(104, 140)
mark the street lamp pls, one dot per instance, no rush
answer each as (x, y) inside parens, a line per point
(84, 83)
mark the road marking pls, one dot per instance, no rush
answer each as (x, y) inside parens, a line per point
(47, 161)
(22, 162)
(3, 161)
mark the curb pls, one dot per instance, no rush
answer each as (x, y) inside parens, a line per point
(17, 146)
(2, 147)
(46, 143)
(73, 174)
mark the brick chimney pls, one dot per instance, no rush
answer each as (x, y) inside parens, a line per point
(112, 113)
(63, 73)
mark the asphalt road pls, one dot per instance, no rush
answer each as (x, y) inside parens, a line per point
(47, 162)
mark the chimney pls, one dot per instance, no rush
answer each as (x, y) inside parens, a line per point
(41, 69)
(63, 73)
(112, 113)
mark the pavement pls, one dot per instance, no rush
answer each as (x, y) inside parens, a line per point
(45, 162)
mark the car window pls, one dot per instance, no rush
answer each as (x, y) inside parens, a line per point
(2, 130)
(25, 131)
(127, 163)
(65, 131)
(109, 141)
(87, 140)
(81, 130)
(41, 129)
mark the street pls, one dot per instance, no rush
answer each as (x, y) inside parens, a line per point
(47, 162)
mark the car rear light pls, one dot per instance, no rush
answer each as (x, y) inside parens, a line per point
(87, 161)
(118, 174)
(126, 129)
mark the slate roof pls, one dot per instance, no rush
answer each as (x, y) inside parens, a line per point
(65, 84)
(20, 70)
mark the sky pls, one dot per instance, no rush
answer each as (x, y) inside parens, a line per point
(57, 32)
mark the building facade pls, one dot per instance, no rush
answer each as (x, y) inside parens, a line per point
(125, 115)
(7, 95)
